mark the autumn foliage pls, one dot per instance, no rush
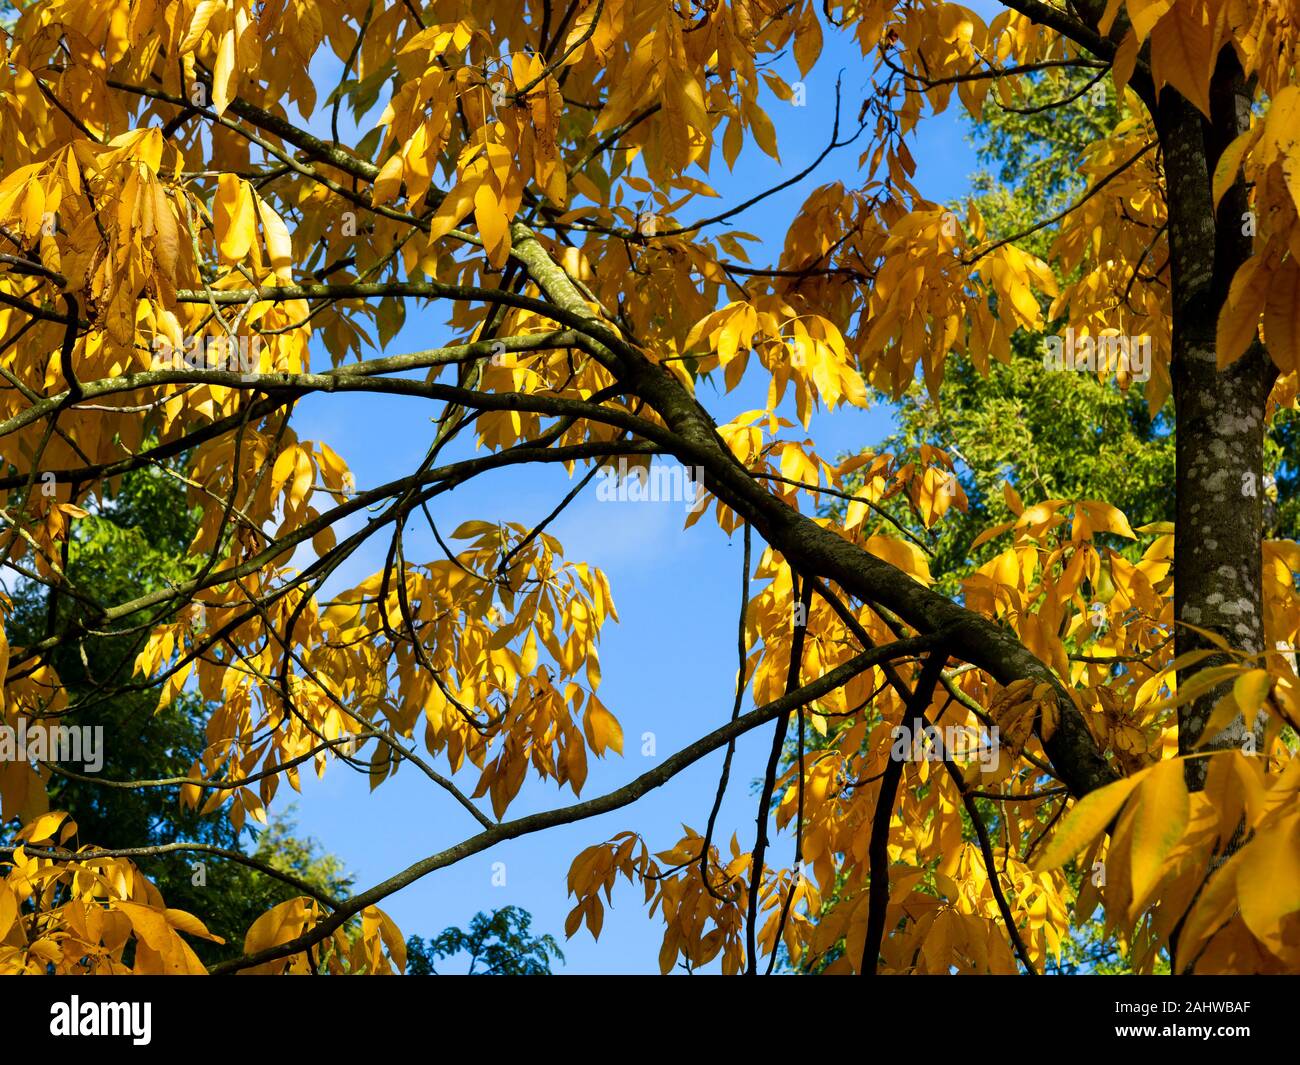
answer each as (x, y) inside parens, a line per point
(177, 177)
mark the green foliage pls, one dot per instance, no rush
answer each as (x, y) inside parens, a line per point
(1031, 159)
(133, 544)
(1282, 498)
(1049, 435)
(498, 944)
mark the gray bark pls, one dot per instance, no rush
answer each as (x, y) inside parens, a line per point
(1220, 415)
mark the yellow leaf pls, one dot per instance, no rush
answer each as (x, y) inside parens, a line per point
(1085, 823)
(153, 930)
(8, 911)
(388, 181)
(234, 217)
(223, 74)
(1268, 881)
(278, 925)
(1013, 499)
(493, 225)
(1281, 322)
(186, 922)
(279, 245)
(1229, 164)
(44, 827)
(1250, 690)
(323, 542)
(602, 728)
(808, 43)
(1238, 324)
(1180, 53)
(1160, 812)
(1106, 518)
(284, 464)
(1146, 13)
(198, 25)
(903, 555)
(166, 239)
(454, 207)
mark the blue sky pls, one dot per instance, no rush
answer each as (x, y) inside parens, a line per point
(669, 667)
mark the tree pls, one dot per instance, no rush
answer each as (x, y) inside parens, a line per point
(500, 941)
(1048, 435)
(1016, 425)
(537, 177)
(137, 543)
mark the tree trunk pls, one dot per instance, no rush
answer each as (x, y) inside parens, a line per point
(1220, 415)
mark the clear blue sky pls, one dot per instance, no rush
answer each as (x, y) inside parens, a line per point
(669, 667)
